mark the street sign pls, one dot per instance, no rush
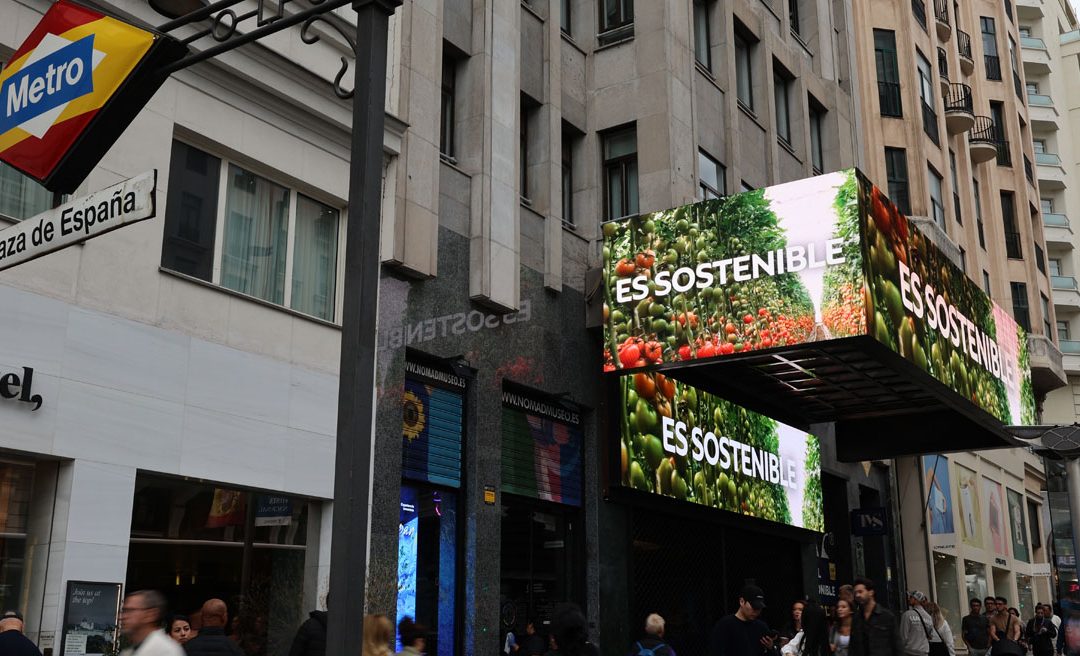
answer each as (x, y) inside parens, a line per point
(79, 219)
(866, 522)
(72, 87)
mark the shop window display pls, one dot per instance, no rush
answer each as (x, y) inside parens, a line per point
(15, 487)
(947, 591)
(1025, 599)
(195, 541)
(975, 579)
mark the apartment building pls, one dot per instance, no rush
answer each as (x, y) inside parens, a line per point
(948, 123)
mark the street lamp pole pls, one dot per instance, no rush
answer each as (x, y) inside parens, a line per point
(357, 382)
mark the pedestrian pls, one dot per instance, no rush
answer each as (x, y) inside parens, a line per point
(847, 593)
(652, 644)
(815, 631)
(310, 638)
(1041, 632)
(141, 617)
(975, 629)
(12, 640)
(378, 635)
(840, 634)
(570, 631)
(533, 643)
(742, 633)
(942, 642)
(989, 607)
(873, 631)
(794, 625)
(1003, 624)
(413, 637)
(212, 640)
(915, 626)
(180, 629)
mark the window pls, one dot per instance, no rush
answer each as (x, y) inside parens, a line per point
(990, 49)
(986, 284)
(21, 197)
(1032, 87)
(446, 122)
(620, 173)
(896, 174)
(569, 141)
(1012, 232)
(744, 71)
(1055, 265)
(963, 259)
(1046, 205)
(702, 47)
(1024, 30)
(1039, 146)
(782, 97)
(978, 214)
(888, 73)
(565, 7)
(937, 208)
(1044, 305)
(710, 177)
(277, 245)
(1020, 304)
(955, 189)
(997, 114)
(1018, 86)
(926, 94)
(1035, 523)
(527, 114)
(918, 7)
(1040, 261)
(793, 15)
(1063, 331)
(616, 20)
(817, 120)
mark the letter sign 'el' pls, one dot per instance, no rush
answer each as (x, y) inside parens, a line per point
(72, 87)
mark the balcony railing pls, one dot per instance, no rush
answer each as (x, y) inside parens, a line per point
(1040, 100)
(963, 43)
(889, 97)
(1070, 346)
(959, 99)
(1004, 153)
(1018, 86)
(930, 125)
(941, 11)
(1040, 259)
(1047, 159)
(943, 64)
(1032, 42)
(984, 131)
(1063, 282)
(1028, 172)
(1055, 220)
(918, 7)
(993, 67)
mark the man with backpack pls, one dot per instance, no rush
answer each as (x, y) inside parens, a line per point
(653, 643)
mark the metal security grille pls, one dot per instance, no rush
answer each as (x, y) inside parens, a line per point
(432, 431)
(541, 458)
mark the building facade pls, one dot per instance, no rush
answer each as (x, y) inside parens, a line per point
(948, 124)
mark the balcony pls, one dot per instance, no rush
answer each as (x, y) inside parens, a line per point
(963, 43)
(943, 70)
(1041, 111)
(1047, 366)
(1029, 9)
(959, 109)
(1051, 172)
(1036, 56)
(1057, 231)
(941, 20)
(1065, 291)
(983, 140)
(1070, 351)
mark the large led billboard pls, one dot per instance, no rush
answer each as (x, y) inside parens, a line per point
(825, 258)
(681, 442)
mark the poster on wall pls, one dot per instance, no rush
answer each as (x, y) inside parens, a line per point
(91, 612)
(939, 494)
(813, 260)
(1017, 525)
(680, 442)
(997, 530)
(967, 494)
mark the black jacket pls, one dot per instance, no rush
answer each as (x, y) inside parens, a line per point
(876, 636)
(14, 643)
(212, 641)
(310, 638)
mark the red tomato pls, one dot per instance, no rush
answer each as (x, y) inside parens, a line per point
(727, 348)
(624, 268)
(629, 355)
(685, 353)
(645, 386)
(730, 328)
(748, 319)
(707, 350)
(762, 312)
(645, 260)
(653, 351)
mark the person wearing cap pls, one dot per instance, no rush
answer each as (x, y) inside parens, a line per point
(742, 633)
(873, 631)
(915, 626)
(12, 640)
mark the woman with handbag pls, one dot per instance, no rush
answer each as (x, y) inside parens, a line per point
(942, 642)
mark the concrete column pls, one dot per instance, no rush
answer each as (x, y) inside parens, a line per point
(1072, 477)
(494, 230)
(551, 115)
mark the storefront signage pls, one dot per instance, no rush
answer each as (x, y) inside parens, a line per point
(273, 511)
(76, 221)
(72, 87)
(868, 522)
(1040, 569)
(91, 612)
(828, 586)
(434, 374)
(20, 387)
(537, 406)
(814, 260)
(680, 442)
(542, 447)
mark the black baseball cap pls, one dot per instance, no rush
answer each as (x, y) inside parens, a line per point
(753, 595)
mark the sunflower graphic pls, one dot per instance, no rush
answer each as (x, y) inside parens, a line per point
(414, 417)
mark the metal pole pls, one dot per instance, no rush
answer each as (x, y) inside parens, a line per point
(1072, 478)
(356, 391)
